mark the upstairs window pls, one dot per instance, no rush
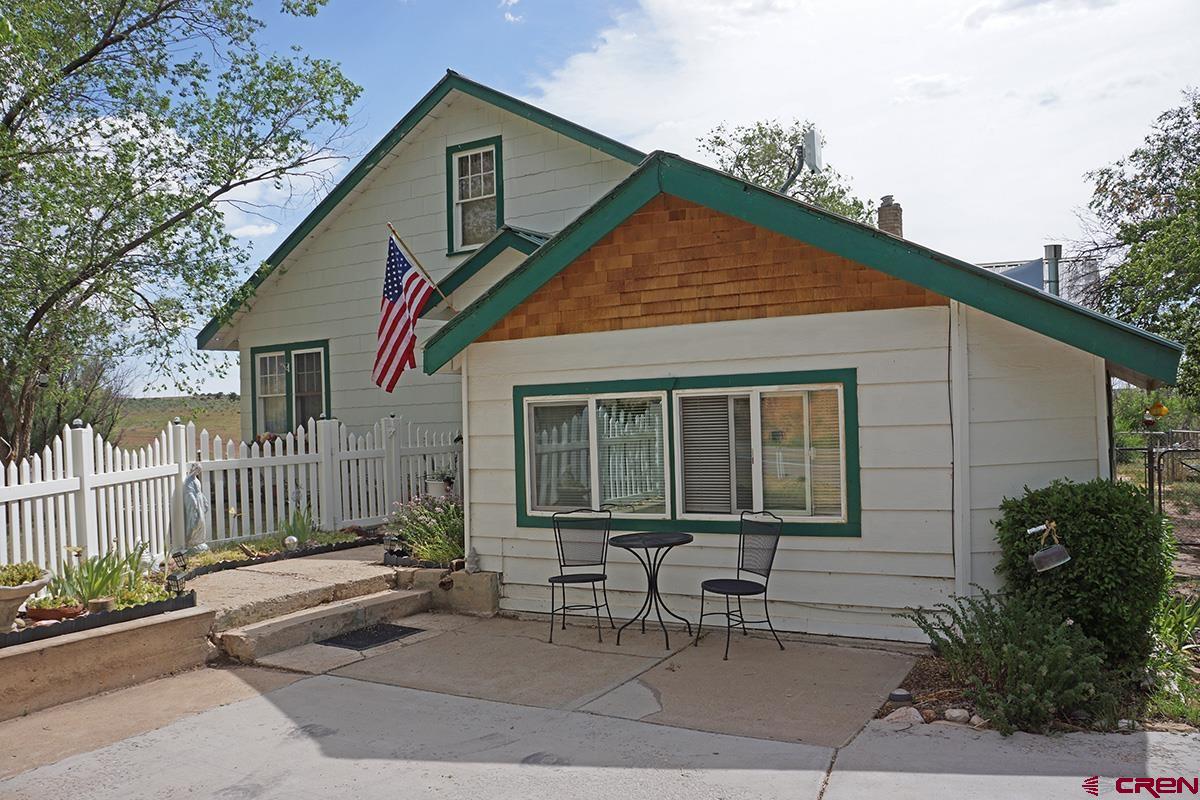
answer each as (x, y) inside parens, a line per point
(475, 188)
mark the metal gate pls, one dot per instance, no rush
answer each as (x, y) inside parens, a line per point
(1167, 465)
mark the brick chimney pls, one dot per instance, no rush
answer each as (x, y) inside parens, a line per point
(891, 217)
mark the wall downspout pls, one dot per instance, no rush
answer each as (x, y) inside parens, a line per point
(466, 455)
(960, 423)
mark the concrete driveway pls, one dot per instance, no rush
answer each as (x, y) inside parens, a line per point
(488, 709)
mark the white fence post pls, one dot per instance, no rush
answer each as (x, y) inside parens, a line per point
(179, 455)
(391, 483)
(328, 474)
(83, 462)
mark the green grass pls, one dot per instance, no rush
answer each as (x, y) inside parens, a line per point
(146, 417)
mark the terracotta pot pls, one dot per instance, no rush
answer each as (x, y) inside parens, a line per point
(12, 597)
(60, 613)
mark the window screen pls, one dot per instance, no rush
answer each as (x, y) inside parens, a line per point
(475, 196)
(272, 393)
(308, 385)
(631, 452)
(561, 462)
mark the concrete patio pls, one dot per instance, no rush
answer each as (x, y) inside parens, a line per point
(487, 707)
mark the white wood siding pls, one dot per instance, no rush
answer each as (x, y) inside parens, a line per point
(329, 287)
(849, 586)
(1033, 418)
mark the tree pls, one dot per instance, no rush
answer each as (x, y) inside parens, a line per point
(767, 154)
(1147, 233)
(128, 128)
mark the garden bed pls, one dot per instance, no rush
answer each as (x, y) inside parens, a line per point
(99, 619)
(219, 566)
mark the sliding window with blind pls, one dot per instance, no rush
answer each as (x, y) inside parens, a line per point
(779, 449)
(692, 453)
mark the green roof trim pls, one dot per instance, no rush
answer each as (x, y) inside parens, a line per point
(452, 81)
(508, 237)
(995, 294)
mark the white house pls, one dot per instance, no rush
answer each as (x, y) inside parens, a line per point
(464, 161)
(672, 340)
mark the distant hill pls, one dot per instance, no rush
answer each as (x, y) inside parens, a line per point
(145, 417)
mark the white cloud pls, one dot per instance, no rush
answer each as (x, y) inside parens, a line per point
(1013, 10)
(250, 231)
(982, 132)
(511, 17)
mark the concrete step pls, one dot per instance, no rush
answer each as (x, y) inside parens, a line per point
(251, 642)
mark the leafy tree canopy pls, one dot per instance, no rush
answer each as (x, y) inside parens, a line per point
(128, 128)
(767, 153)
(1147, 208)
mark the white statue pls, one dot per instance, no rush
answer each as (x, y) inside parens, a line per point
(195, 510)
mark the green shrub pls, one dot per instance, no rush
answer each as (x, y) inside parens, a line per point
(432, 527)
(98, 576)
(1025, 665)
(1178, 622)
(17, 574)
(1120, 567)
(299, 524)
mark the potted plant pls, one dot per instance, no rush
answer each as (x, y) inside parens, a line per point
(17, 583)
(440, 482)
(53, 607)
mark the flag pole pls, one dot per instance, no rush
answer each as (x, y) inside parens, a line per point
(421, 269)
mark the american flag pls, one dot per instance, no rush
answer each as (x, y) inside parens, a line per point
(405, 290)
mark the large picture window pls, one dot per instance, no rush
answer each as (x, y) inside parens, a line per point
(290, 386)
(692, 453)
(475, 193)
(595, 452)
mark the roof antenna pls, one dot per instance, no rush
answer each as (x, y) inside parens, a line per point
(808, 154)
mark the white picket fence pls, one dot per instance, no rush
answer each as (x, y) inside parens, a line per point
(81, 491)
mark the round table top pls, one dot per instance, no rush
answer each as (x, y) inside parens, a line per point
(645, 541)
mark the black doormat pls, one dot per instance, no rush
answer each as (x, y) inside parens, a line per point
(370, 636)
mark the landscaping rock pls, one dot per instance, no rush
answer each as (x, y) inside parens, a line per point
(908, 715)
(959, 715)
(978, 722)
(1127, 725)
(928, 714)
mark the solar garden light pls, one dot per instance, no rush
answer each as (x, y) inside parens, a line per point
(176, 582)
(1055, 555)
(290, 543)
(180, 559)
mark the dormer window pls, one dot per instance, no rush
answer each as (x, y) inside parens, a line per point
(475, 189)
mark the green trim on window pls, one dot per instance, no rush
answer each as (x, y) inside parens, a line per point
(451, 82)
(848, 378)
(1123, 344)
(506, 238)
(287, 350)
(497, 145)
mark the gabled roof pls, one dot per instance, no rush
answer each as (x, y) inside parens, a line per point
(452, 81)
(508, 237)
(1125, 346)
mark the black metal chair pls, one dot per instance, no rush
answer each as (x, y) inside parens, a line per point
(582, 540)
(758, 540)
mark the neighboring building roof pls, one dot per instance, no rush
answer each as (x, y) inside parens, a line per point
(452, 81)
(509, 236)
(1131, 348)
(1029, 273)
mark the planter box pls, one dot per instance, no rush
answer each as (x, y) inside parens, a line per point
(40, 674)
(92, 621)
(473, 593)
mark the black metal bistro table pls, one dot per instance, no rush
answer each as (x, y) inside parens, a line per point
(654, 548)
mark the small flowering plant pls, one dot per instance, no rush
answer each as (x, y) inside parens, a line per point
(432, 527)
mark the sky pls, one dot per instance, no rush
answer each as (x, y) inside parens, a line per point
(981, 117)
